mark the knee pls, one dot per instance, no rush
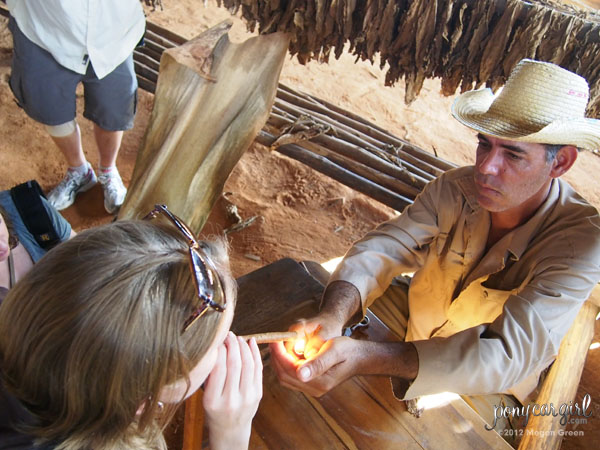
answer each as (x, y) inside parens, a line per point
(62, 130)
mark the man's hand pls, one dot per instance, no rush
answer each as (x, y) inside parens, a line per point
(341, 300)
(326, 366)
(329, 358)
(340, 358)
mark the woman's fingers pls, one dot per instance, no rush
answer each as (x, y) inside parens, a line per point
(247, 363)
(213, 388)
(234, 363)
(258, 365)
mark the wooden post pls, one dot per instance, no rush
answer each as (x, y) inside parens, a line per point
(560, 385)
(212, 98)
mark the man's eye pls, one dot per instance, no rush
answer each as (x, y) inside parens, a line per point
(514, 157)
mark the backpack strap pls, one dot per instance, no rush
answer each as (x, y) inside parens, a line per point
(28, 200)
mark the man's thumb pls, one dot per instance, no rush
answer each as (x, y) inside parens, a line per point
(315, 367)
(305, 373)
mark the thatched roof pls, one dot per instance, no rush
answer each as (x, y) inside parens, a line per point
(466, 43)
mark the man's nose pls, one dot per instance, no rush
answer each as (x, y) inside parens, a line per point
(491, 163)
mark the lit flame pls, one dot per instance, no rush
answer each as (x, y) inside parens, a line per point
(299, 347)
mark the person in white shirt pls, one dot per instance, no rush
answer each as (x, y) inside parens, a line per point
(57, 45)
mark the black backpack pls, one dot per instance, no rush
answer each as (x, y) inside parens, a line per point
(27, 199)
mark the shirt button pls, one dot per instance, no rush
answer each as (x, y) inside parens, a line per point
(485, 293)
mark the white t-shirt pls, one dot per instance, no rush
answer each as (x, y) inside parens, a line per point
(79, 32)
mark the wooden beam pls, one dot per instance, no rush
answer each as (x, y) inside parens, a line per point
(212, 98)
(562, 381)
(341, 174)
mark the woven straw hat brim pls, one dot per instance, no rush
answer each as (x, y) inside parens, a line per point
(473, 110)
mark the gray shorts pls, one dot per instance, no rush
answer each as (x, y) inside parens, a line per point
(46, 90)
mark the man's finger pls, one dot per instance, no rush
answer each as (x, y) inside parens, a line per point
(325, 360)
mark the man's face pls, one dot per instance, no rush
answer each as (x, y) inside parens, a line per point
(508, 173)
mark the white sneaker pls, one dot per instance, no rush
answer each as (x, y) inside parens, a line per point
(63, 195)
(114, 190)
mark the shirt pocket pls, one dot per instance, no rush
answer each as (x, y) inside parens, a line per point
(477, 305)
(492, 302)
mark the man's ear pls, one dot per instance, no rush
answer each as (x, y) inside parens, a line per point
(564, 159)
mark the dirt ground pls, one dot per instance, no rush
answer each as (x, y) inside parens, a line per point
(302, 214)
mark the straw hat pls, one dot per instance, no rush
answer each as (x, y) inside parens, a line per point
(541, 103)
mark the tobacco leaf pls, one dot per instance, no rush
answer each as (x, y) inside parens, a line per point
(480, 20)
(527, 39)
(440, 38)
(426, 28)
(496, 45)
(461, 41)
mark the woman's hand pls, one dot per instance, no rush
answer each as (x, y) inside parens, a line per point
(232, 393)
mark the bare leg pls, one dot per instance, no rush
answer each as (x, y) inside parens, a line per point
(71, 148)
(108, 143)
(79, 178)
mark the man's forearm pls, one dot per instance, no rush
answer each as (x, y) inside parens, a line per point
(341, 300)
(395, 359)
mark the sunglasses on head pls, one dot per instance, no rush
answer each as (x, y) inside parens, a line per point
(209, 288)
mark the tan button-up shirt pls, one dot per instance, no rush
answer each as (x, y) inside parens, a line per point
(482, 322)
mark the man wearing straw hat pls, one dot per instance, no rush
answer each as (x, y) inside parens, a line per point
(504, 254)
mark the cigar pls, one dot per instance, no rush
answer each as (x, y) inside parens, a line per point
(267, 338)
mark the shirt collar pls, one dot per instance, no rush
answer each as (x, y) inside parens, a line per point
(467, 186)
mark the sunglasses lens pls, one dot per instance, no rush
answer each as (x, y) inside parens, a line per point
(208, 283)
(209, 289)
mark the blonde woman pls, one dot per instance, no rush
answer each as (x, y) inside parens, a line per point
(113, 330)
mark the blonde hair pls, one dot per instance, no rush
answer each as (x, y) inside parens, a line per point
(95, 330)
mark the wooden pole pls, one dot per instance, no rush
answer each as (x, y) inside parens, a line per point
(335, 171)
(373, 158)
(562, 381)
(211, 100)
(357, 132)
(339, 134)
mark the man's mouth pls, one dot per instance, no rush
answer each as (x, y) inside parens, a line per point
(486, 188)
